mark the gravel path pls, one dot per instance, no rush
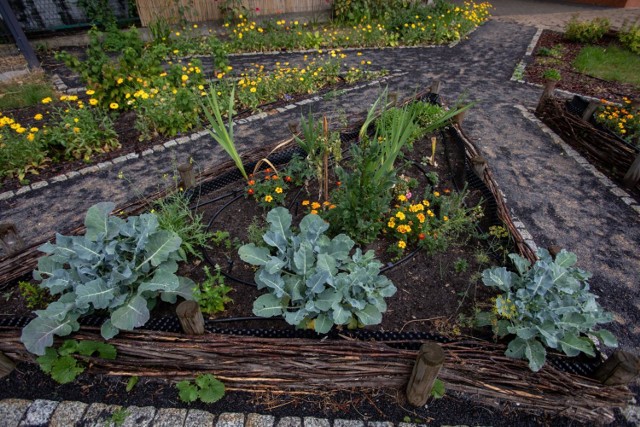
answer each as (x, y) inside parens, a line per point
(551, 192)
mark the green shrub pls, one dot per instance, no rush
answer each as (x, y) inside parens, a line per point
(547, 304)
(629, 36)
(586, 31)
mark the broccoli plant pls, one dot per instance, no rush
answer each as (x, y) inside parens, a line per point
(547, 304)
(312, 280)
(119, 265)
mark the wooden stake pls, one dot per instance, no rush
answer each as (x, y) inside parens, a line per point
(10, 239)
(190, 318)
(428, 364)
(6, 365)
(632, 176)
(187, 175)
(435, 87)
(591, 108)
(621, 368)
(479, 165)
(549, 87)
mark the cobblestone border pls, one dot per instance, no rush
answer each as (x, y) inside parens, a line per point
(20, 412)
(584, 163)
(182, 140)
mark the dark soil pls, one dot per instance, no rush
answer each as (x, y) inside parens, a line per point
(572, 80)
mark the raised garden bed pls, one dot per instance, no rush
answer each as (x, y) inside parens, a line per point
(345, 359)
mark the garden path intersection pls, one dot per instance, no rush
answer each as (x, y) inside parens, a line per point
(549, 189)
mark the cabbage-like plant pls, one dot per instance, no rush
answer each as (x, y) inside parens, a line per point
(547, 304)
(119, 265)
(312, 279)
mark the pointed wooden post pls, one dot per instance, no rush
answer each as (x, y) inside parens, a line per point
(190, 318)
(435, 87)
(549, 87)
(6, 365)
(187, 176)
(591, 108)
(621, 368)
(425, 371)
(632, 176)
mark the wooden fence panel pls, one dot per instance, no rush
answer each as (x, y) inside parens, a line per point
(207, 10)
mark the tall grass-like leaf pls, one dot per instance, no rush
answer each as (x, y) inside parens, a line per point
(221, 133)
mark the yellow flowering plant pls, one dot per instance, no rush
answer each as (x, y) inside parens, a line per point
(21, 152)
(623, 120)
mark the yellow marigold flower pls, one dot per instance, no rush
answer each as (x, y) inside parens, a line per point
(34, 129)
(114, 105)
(178, 33)
(76, 130)
(268, 198)
(402, 244)
(93, 101)
(445, 218)
(90, 92)
(220, 75)
(400, 215)
(305, 203)
(279, 190)
(315, 205)
(421, 217)
(436, 194)
(252, 90)
(20, 129)
(391, 223)
(72, 98)
(184, 77)
(120, 80)
(402, 198)
(46, 100)
(38, 116)
(63, 98)
(431, 214)
(31, 137)
(195, 25)
(426, 203)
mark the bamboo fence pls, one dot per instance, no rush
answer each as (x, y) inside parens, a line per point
(304, 366)
(208, 10)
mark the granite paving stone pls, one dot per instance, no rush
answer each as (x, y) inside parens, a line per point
(39, 413)
(139, 416)
(229, 419)
(98, 414)
(198, 418)
(169, 417)
(67, 414)
(316, 422)
(289, 422)
(12, 411)
(257, 420)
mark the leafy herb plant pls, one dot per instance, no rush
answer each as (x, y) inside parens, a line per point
(63, 367)
(312, 280)
(120, 266)
(547, 304)
(206, 387)
(212, 293)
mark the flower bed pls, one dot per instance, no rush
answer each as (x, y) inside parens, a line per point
(325, 263)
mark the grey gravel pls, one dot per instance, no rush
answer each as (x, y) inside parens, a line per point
(39, 413)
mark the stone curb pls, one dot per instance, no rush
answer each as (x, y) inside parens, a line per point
(27, 413)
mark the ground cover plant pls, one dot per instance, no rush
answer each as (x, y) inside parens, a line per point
(591, 60)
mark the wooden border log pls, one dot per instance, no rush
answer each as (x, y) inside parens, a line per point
(425, 371)
(632, 177)
(190, 317)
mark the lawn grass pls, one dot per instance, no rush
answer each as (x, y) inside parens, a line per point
(24, 91)
(612, 63)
